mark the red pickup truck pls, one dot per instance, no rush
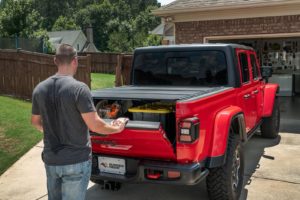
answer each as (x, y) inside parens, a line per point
(191, 109)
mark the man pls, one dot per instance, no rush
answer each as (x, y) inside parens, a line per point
(62, 108)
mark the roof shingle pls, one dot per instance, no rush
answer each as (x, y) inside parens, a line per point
(202, 4)
(67, 37)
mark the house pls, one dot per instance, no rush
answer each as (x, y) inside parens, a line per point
(166, 30)
(271, 27)
(76, 38)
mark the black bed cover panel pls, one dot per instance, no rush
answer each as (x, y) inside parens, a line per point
(154, 93)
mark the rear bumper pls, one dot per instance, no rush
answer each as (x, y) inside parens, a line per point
(190, 174)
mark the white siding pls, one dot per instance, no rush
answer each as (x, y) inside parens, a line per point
(80, 42)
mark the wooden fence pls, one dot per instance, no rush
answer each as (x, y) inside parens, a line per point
(21, 71)
(123, 70)
(103, 62)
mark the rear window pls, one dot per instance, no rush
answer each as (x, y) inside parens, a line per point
(195, 68)
(254, 66)
(244, 67)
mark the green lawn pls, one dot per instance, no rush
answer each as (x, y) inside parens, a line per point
(17, 135)
(102, 80)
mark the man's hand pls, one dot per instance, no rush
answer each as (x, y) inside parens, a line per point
(97, 125)
(120, 122)
(36, 121)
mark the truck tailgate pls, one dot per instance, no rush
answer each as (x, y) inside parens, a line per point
(140, 139)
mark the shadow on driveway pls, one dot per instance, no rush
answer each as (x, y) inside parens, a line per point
(254, 150)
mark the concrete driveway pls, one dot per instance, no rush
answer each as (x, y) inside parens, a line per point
(272, 172)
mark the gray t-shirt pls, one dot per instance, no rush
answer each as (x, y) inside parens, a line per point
(60, 100)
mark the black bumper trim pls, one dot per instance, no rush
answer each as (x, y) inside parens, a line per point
(191, 174)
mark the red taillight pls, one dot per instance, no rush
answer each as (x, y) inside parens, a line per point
(161, 174)
(184, 124)
(185, 138)
(173, 174)
(188, 129)
(153, 174)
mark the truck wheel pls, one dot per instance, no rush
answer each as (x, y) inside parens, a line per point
(226, 182)
(270, 125)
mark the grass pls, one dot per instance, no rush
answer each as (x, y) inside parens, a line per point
(102, 80)
(17, 135)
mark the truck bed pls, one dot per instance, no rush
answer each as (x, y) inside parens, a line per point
(155, 93)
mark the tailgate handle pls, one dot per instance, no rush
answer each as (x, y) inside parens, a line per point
(143, 125)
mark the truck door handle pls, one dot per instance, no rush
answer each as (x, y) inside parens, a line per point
(255, 92)
(247, 96)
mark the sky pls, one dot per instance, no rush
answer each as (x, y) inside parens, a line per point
(164, 2)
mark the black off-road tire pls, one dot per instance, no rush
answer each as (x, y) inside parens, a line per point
(270, 125)
(220, 181)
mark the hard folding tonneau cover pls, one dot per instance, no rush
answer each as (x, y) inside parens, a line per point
(154, 93)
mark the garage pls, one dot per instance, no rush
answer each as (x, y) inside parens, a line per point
(271, 27)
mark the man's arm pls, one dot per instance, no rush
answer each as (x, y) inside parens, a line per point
(86, 107)
(97, 125)
(36, 121)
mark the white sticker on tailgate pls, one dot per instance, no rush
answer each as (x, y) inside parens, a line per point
(112, 165)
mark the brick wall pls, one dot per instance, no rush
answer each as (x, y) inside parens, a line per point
(194, 32)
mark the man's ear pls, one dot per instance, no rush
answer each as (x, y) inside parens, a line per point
(75, 62)
(54, 60)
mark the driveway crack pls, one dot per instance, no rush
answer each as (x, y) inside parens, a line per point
(271, 179)
(41, 197)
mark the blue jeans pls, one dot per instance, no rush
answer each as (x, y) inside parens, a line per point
(68, 182)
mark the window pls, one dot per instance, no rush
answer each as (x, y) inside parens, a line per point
(254, 66)
(244, 67)
(193, 68)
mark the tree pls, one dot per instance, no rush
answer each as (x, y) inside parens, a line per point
(19, 18)
(97, 15)
(64, 23)
(3, 3)
(135, 32)
(84, 3)
(145, 21)
(152, 40)
(118, 42)
(51, 10)
(120, 37)
(119, 25)
(136, 6)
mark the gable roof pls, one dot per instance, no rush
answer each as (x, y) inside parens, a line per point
(159, 30)
(181, 6)
(90, 47)
(163, 30)
(66, 37)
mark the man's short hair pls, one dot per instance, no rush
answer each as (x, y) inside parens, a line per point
(65, 54)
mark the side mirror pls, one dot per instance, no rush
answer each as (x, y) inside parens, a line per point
(266, 72)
